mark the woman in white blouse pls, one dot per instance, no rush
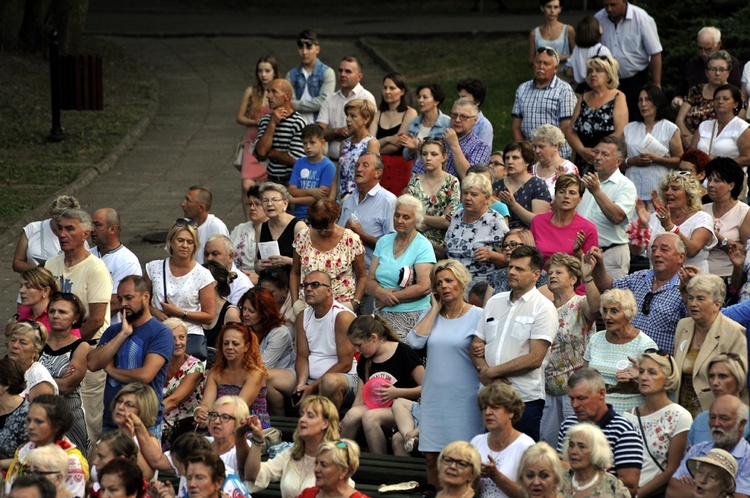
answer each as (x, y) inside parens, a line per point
(645, 169)
(727, 135)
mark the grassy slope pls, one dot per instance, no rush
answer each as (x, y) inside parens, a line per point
(499, 63)
(33, 169)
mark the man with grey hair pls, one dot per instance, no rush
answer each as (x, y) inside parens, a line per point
(368, 210)
(464, 148)
(708, 42)
(196, 206)
(81, 273)
(120, 260)
(219, 248)
(587, 394)
(727, 419)
(656, 291)
(543, 99)
(609, 203)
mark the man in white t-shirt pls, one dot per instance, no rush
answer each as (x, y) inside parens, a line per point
(512, 337)
(325, 356)
(120, 261)
(219, 248)
(196, 206)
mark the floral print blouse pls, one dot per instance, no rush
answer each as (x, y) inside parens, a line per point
(336, 262)
(444, 203)
(187, 407)
(566, 353)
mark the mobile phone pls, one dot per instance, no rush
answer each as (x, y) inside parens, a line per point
(354, 218)
(296, 398)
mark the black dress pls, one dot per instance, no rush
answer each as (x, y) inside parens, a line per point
(285, 239)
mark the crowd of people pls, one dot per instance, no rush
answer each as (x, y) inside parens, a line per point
(399, 283)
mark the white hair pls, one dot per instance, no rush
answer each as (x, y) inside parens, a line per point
(714, 33)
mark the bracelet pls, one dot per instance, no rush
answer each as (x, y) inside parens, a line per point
(357, 301)
(675, 229)
(256, 443)
(588, 281)
(184, 315)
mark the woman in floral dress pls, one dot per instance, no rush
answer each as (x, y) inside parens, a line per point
(183, 387)
(439, 192)
(335, 250)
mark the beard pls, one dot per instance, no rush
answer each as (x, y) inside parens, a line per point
(134, 315)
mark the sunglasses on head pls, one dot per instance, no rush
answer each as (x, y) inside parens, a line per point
(185, 222)
(546, 50)
(665, 354)
(342, 444)
(305, 43)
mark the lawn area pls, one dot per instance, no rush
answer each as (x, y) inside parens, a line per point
(33, 168)
(499, 62)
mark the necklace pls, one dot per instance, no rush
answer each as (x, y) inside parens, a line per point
(444, 494)
(461, 309)
(584, 487)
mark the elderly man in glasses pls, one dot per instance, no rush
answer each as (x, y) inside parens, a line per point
(196, 206)
(464, 148)
(325, 357)
(657, 291)
(546, 99)
(83, 274)
(312, 80)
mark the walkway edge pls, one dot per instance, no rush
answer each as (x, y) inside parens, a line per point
(382, 60)
(41, 212)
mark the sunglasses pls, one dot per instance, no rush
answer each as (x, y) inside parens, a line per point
(665, 354)
(185, 222)
(546, 50)
(646, 308)
(305, 43)
(342, 445)
(314, 285)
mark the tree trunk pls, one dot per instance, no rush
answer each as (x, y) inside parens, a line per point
(34, 29)
(68, 17)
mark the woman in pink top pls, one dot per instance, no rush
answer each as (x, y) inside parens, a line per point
(562, 229)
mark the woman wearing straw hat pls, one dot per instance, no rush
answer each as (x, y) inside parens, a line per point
(713, 474)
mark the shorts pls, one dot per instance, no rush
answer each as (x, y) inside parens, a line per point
(416, 413)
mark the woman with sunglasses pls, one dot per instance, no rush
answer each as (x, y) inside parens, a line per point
(25, 344)
(182, 288)
(662, 423)
(326, 246)
(239, 371)
(601, 111)
(281, 227)
(702, 336)
(37, 285)
(727, 374)
(64, 356)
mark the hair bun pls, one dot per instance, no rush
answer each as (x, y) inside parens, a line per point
(231, 277)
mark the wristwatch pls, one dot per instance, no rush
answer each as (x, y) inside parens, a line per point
(724, 242)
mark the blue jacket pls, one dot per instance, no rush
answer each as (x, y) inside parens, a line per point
(320, 84)
(443, 123)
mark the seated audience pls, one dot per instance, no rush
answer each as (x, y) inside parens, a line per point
(243, 235)
(280, 228)
(122, 476)
(341, 455)
(276, 281)
(206, 472)
(540, 472)
(25, 344)
(113, 444)
(465, 458)
(51, 462)
(714, 474)
(224, 311)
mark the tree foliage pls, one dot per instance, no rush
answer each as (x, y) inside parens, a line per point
(27, 24)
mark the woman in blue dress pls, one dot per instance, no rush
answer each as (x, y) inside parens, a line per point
(450, 385)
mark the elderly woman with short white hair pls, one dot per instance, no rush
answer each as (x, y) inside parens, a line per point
(700, 337)
(547, 140)
(587, 451)
(609, 351)
(51, 462)
(476, 232)
(281, 227)
(399, 276)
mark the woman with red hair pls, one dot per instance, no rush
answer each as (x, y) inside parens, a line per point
(260, 312)
(694, 161)
(239, 371)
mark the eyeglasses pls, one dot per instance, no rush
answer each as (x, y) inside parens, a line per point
(314, 285)
(511, 245)
(185, 222)
(461, 117)
(254, 203)
(275, 200)
(460, 464)
(646, 308)
(305, 43)
(717, 69)
(225, 418)
(497, 163)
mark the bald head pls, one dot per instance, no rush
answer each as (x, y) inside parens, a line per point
(280, 94)
(105, 231)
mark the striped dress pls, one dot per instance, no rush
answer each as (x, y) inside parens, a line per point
(57, 362)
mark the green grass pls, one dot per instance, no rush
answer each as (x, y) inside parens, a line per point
(499, 62)
(33, 168)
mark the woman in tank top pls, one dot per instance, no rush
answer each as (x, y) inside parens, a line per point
(552, 33)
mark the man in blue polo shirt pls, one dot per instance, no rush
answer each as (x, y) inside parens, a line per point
(587, 394)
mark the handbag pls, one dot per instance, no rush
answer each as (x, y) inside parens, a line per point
(239, 153)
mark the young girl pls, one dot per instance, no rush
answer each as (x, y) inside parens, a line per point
(382, 356)
(253, 107)
(588, 34)
(552, 33)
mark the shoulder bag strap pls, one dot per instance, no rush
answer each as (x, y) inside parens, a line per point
(645, 440)
(164, 277)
